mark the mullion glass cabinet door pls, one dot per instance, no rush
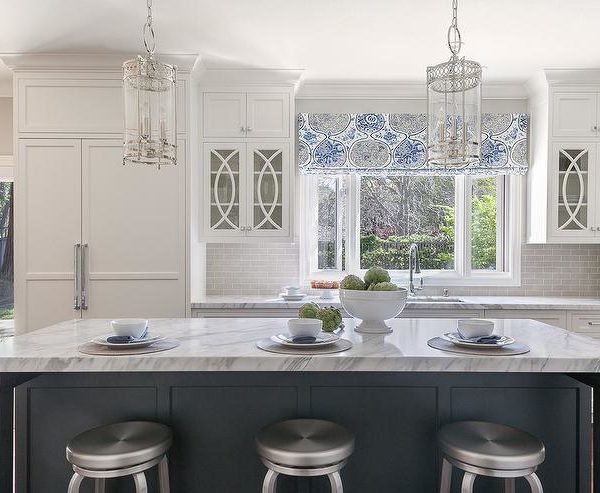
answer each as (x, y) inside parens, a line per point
(270, 190)
(572, 189)
(225, 210)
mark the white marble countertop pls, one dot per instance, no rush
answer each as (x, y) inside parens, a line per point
(228, 344)
(245, 302)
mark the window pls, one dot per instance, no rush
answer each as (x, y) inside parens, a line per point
(466, 228)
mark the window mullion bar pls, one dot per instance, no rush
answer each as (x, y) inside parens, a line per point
(353, 218)
(463, 226)
(501, 223)
(339, 219)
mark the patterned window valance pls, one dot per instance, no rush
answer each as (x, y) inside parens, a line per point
(396, 144)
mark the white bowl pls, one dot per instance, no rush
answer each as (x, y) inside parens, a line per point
(309, 327)
(474, 327)
(373, 308)
(134, 327)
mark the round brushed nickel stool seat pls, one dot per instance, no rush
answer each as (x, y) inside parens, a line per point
(489, 449)
(304, 447)
(120, 449)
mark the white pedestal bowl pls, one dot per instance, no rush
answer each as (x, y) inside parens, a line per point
(373, 308)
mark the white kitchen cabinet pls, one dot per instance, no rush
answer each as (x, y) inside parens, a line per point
(563, 181)
(129, 221)
(48, 226)
(575, 114)
(557, 318)
(268, 115)
(246, 115)
(247, 190)
(133, 226)
(574, 183)
(585, 323)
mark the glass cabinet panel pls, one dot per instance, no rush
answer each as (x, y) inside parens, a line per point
(267, 188)
(572, 189)
(224, 165)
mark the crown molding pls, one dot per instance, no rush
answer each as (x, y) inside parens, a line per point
(570, 76)
(247, 76)
(24, 62)
(395, 90)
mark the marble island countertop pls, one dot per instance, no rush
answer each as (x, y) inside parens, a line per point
(245, 302)
(228, 344)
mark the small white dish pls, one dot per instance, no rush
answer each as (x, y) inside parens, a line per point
(475, 327)
(292, 290)
(456, 339)
(323, 339)
(327, 294)
(147, 341)
(309, 327)
(133, 327)
(292, 297)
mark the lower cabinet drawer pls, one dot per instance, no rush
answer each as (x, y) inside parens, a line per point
(585, 323)
(557, 318)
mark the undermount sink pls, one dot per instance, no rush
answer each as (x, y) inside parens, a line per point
(434, 299)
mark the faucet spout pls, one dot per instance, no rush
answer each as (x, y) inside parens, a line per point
(414, 267)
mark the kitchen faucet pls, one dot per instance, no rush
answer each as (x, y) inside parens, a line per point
(414, 267)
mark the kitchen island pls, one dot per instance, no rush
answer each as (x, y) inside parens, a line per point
(217, 389)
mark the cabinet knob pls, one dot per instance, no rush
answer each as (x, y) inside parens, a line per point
(243, 129)
(595, 128)
(248, 129)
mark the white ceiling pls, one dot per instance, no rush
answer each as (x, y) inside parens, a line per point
(329, 39)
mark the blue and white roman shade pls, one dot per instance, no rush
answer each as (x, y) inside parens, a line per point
(396, 144)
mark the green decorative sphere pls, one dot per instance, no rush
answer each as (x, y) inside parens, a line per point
(332, 318)
(375, 275)
(353, 282)
(309, 310)
(383, 286)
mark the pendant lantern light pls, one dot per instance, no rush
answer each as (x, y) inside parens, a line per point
(454, 107)
(150, 89)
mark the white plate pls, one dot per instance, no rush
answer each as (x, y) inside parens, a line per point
(101, 341)
(455, 339)
(292, 297)
(323, 339)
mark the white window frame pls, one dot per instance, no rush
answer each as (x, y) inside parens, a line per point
(509, 206)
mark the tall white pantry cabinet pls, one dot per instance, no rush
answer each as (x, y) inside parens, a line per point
(78, 209)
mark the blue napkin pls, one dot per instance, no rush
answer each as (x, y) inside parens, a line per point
(304, 339)
(493, 339)
(126, 339)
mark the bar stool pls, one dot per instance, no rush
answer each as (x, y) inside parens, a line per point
(489, 449)
(121, 449)
(304, 447)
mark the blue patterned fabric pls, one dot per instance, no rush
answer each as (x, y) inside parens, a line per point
(396, 144)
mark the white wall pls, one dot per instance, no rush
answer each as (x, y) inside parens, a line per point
(6, 126)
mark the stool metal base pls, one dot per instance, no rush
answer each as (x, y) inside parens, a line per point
(137, 472)
(471, 473)
(332, 471)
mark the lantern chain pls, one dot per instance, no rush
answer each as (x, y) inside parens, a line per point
(149, 36)
(454, 38)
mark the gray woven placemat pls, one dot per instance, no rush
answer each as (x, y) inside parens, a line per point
(96, 349)
(337, 347)
(510, 350)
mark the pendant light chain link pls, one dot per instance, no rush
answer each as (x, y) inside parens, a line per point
(149, 36)
(454, 38)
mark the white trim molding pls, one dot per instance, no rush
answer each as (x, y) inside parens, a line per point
(27, 62)
(234, 76)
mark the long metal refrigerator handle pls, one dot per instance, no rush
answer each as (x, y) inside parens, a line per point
(77, 273)
(84, 267)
